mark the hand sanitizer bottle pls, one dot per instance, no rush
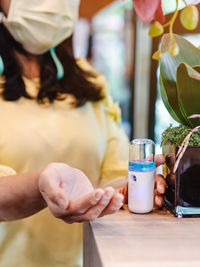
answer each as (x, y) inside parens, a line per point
(141, 176)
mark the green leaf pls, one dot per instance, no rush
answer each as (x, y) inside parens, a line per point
(168, 68)
(188, 85)
(166, 102)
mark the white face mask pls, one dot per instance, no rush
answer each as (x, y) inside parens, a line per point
(41, 24)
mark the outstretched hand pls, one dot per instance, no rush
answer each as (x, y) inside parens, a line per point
(71, 197)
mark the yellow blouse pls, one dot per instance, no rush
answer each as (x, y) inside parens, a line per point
(88, 138)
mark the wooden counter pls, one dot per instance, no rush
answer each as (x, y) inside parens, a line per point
(157, 239)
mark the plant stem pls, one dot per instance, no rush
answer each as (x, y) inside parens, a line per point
(172, 22)
(185, 2)
(166, 24)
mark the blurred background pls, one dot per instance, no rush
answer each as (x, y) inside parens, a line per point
(117, 44)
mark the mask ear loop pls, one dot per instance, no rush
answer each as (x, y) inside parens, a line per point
(1, 66)
(59, 66)
(1, 60)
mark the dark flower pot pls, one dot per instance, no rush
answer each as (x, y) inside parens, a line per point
(183, 187)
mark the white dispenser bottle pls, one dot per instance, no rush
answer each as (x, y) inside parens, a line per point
(141, 176)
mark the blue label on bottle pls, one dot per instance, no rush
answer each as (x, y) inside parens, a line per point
(142, 166)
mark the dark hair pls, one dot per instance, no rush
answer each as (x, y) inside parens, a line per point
(75, 80)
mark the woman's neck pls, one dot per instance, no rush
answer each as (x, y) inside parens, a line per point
(30, 66)
(4, 6)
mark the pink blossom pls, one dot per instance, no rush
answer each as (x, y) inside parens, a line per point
(149, 10)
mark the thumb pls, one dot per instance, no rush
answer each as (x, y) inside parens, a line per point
(159, 159)
(61, 201)
(52, 193)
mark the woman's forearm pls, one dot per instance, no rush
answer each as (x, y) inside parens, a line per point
(20, 196)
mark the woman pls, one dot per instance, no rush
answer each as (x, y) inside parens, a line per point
(59, 110)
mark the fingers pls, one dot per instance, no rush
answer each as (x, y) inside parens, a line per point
(159, 159)
(160, 187)
(94, 212)
(158, 201)
(124, 192)
(160, 184)
(80, 206)
(76, 207)
(115, 204)
(108, 204)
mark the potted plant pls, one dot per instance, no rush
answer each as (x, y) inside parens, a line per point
(180, 91)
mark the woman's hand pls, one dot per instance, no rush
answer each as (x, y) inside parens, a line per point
(70, 195)
(160, 185)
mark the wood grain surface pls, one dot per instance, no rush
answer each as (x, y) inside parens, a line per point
(157, 239)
